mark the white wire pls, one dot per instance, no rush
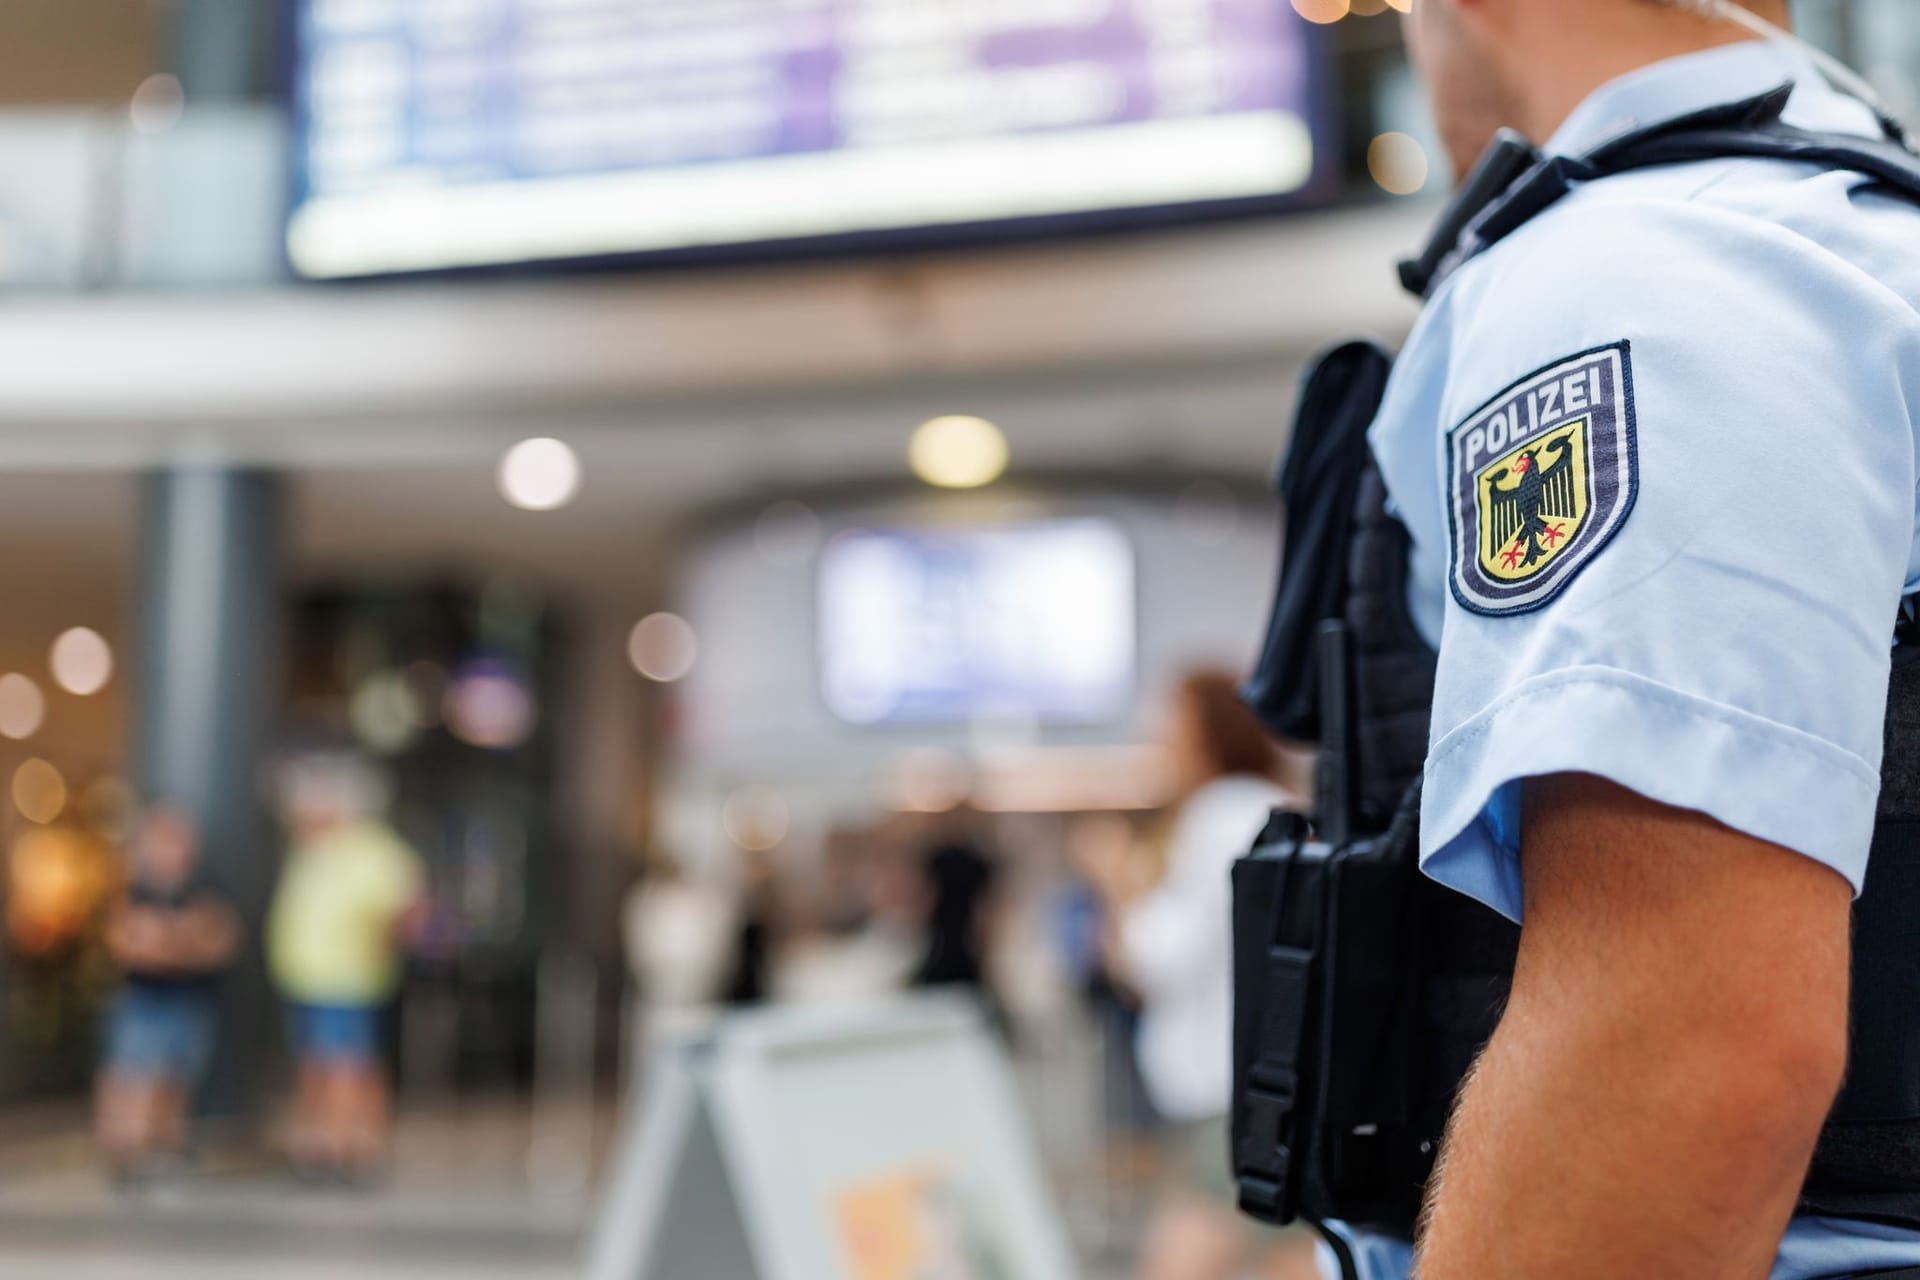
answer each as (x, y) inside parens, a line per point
(1835, 70)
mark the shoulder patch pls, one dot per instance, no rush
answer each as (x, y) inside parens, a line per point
(1540, 478)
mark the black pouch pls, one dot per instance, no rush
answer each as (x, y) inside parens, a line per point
(1318, 483)
(1362, 993)
(1330, 1057)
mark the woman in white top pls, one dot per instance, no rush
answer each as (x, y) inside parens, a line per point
(1170, 941)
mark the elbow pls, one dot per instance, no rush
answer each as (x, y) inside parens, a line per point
(1738, 1072)
(1817, 1060)
(1775, 1079)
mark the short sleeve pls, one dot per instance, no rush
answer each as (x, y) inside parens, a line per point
(392, 876)
(1678, 479)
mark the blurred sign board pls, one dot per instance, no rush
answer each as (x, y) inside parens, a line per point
(444, 134)
(1032, 623)
(802, 1145)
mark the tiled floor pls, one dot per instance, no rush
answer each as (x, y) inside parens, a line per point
(470, 1198)
(461, 1203)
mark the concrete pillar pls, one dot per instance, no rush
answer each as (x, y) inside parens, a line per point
(225, 50)
(209, 618)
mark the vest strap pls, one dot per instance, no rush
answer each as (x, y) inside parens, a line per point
(1515, 182)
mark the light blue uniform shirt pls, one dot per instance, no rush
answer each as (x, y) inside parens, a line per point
(1729, 351)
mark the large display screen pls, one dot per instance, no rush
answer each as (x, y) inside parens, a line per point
(440, 134)
(1026, 622)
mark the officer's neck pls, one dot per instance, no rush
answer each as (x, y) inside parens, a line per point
(1555, 64)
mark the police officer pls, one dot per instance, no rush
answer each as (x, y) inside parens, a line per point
(1656, 451)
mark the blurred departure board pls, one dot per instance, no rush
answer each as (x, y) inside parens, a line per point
(1028, 623)
(436, 134)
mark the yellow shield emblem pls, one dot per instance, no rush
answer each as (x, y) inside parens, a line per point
(1532, 502)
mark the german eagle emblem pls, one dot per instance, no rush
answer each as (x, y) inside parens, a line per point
(1531, 505)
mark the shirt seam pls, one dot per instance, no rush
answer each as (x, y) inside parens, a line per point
(1613, 679)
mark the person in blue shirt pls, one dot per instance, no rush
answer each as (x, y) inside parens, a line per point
(172, 933)
(1656, 452)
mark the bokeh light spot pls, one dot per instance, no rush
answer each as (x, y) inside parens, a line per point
(82, 661)
(663, 647)
(489, 704)
(383, 713)
(959, 452)
(158, 104)
(1322, 11)
(23, 708)
(39, 792)
(755, 818)
(1398, 163)
(542, 474)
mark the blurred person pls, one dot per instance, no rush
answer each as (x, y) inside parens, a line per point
(865, 940)
(958, 881)
(172, 934)
(677, 930)
(1652, 444)
(680, 933)
(756, 933)
(1169, 941)
(1128, 1119)
(348, 892)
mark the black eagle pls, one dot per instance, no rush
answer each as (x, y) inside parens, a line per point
(1525, 511)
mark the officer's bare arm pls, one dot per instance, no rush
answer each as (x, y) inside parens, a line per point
(1676, 1035)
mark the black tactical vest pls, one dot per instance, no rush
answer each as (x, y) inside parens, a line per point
(1867, 1165)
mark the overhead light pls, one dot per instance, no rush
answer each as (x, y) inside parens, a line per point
(82, 661)
(958, 452)
(1398, 163)
(22, 706)
(542, 474)
(663, 647)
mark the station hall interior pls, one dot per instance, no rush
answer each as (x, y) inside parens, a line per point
(711, 476)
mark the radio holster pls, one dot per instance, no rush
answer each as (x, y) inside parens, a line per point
(1326, 942)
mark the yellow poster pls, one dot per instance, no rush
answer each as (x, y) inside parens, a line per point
(883, 1226)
